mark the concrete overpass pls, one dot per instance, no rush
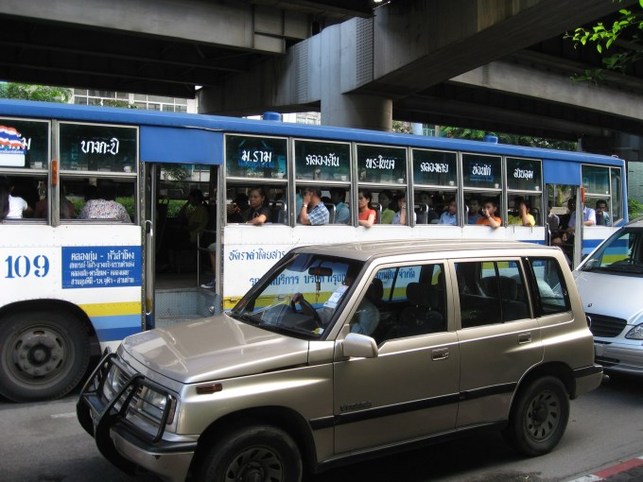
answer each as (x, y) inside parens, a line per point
(490, 64)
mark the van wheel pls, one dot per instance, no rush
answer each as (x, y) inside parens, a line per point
(252, 454)
(538, 417)
(43, 355)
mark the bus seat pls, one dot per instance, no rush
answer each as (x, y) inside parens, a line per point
(331, 212)
(279, 212)
(421, 213)
(378, 212)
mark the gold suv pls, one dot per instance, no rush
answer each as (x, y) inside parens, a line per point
(344, 351)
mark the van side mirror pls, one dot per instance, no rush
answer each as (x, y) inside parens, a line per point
(360, 346)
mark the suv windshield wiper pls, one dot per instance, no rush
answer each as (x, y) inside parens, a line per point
(246, 317)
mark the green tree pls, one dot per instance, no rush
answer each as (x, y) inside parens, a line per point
(478, 135)
(625, 33)
(12, 90)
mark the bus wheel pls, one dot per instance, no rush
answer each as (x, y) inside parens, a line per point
(43, 355)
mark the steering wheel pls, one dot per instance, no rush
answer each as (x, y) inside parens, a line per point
(306, 308)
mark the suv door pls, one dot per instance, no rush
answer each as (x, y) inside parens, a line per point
(411, 388)
(499, 339)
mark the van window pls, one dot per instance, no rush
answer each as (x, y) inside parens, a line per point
(622, 254)
(552, 295)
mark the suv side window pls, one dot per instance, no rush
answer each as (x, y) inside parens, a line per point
(551, 289)
(490, 292)
(413, 302)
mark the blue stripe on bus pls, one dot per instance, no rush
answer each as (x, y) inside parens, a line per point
(116, 321)
(116, 334)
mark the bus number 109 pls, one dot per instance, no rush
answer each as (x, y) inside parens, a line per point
(23, 267)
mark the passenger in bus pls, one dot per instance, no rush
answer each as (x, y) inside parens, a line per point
(386, 201)
(342, 211)
(194, 214)
(313, 212)
(67, 208)
(18, 207)
(589, 216)
(553, 220)
(101, 204)
(522, 216)
(236, 210)
(259, 211)
(366, 215)
(602, 216)
(400, 216)
(424, 198)
(4, 198)
(474, 211)
(450, 215)
(489, 216)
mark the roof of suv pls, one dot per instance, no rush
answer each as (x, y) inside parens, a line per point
(370, 249)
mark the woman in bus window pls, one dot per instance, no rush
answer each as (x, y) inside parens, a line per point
(385, 199)
(259, 211)
(367, 214)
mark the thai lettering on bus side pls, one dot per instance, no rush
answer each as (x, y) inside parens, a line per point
(256, 156)
(482, 170)
(523, 174)
(380, 162)
(329, 160)
(100, 147)
(439, 167)
(23, 266)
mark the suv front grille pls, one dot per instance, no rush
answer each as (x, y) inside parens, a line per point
(607, 326)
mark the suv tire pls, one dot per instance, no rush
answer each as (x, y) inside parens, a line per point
(252, 453)
(539, 416)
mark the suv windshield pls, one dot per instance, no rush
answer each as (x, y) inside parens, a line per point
(300, 297)
(621, 254)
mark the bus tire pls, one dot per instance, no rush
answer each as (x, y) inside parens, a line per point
(43, 355)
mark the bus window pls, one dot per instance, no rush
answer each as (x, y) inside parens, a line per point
(93, 199)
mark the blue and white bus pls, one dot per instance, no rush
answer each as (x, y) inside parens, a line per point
(72, 286)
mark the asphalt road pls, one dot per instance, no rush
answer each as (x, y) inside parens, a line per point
(43, 442)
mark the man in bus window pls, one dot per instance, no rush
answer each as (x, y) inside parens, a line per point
(450, 216)
(474, 211)
(521, 217)
(342, 211)
(602, 216)
(589, 216)
(489, 216)
(313, 212)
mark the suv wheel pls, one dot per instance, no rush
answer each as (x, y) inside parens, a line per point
(539, 417)
(258, 453)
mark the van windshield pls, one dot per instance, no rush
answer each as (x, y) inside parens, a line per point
(621, 254)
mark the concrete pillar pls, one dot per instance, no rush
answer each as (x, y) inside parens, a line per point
(339, 69)
(354, 110)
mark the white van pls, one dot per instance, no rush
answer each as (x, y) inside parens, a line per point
(610, 282)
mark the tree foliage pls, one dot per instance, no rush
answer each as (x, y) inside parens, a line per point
(478, 135)
(13, 90)
(626, 33)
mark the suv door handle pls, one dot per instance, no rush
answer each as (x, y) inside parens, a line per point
(440, 354)
(524, 338)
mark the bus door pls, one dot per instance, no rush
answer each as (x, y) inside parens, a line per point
(181, 171)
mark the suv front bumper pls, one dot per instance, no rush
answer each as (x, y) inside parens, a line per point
(121, 442)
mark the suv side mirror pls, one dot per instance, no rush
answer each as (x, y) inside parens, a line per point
(358, 345)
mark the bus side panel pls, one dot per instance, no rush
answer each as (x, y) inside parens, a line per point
(249, 251)
(97, 268)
